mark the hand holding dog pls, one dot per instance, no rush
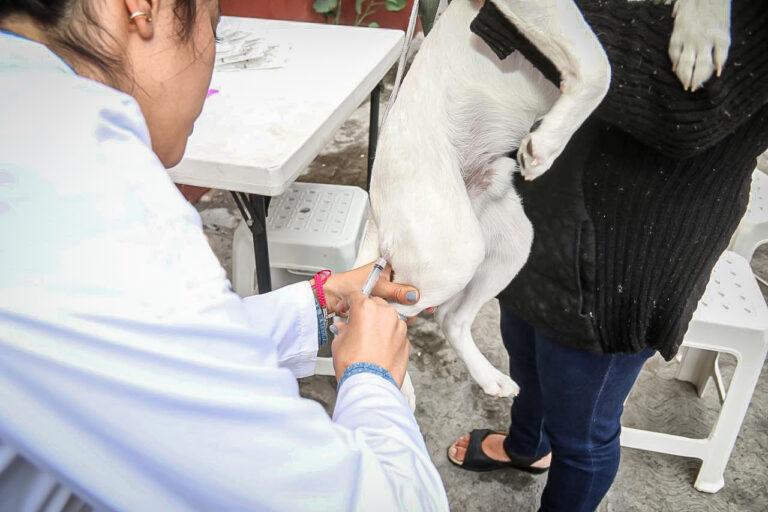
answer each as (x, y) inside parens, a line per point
(340, 286)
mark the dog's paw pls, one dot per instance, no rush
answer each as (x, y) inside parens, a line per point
(700, 40)
(497, 384)
(537, 153)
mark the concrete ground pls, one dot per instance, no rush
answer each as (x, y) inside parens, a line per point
(450, 404)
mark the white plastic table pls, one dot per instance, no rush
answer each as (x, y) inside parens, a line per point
(264, 126)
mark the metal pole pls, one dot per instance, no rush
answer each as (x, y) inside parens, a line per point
(258, 211)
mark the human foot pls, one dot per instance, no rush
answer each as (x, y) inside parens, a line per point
(492, 448)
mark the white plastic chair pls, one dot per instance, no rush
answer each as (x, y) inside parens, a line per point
(732, 317)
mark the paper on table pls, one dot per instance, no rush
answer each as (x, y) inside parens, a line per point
(243, 50)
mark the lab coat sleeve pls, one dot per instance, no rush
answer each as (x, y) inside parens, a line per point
(379, 416)
(141, 417)
(294, 331)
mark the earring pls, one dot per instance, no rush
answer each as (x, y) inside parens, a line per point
(139, 14)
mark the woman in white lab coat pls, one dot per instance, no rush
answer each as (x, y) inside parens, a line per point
(131, 377)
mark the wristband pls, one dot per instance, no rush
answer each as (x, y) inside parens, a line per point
(355, 368)
(317, 286)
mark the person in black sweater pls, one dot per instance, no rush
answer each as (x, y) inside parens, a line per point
(628, 225)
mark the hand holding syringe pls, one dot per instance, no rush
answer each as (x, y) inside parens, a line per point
(373, 278)
(370, 284)
(372, 334)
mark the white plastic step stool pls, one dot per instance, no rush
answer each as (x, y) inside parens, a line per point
(731, 317)
(753, 229)
(310, 227)
(762, 162)
(698, 366)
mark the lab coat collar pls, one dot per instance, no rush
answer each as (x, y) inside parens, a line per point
(17, 51)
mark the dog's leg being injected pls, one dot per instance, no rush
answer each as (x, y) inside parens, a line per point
(508, 236)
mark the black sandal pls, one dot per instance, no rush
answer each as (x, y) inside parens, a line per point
(476, 460)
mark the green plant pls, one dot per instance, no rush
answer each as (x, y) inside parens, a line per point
(364, 9)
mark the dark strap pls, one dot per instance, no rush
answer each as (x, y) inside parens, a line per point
(476, 460)
(504, 38)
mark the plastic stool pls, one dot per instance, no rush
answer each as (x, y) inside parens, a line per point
(753, 229)
(731, 317)
(310, 227)
(762, 162)
(698, 366)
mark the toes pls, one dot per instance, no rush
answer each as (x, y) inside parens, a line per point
(506, 391)
(458, 450)
(700, 40)
(535, 158)
(720, 55)
(500, 388)
(703, 68)
(685, 66)
(675, 51)
(521, 155)
(510, 388)
(492, 389)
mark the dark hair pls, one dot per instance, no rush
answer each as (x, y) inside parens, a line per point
(74, 29)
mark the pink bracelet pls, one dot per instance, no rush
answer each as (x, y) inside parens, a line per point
(317, 286)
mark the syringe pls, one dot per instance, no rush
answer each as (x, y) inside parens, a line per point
(373, 277)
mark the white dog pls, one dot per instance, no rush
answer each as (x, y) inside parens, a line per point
(445, 213)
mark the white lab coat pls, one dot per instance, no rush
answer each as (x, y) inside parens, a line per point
(130, 374)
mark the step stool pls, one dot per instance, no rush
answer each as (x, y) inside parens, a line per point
(698, 366)
(762, 162)
(753, 228)
(731, 317)
(310, 227)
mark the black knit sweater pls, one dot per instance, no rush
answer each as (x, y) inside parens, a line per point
(631, 219)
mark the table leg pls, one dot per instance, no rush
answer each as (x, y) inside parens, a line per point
(373, 130)
(253, 208)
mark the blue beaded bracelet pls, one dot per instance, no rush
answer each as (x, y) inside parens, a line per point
(356, 368)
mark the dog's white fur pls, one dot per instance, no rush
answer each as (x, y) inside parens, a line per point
(445, 213)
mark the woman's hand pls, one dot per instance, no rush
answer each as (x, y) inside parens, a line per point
(374, 334)
(340, 286)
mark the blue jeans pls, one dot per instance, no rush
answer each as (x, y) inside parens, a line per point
(570, 403)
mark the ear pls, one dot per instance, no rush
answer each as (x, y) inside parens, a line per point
(140, 16)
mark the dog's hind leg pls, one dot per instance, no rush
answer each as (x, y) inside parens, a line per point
(508, 236)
